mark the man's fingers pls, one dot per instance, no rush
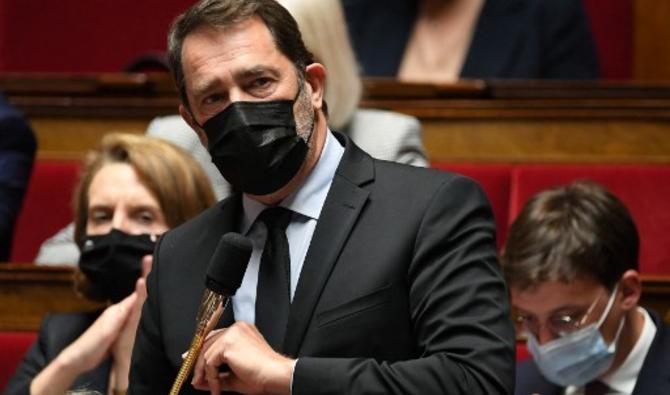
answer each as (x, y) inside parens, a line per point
(230, 382)
(199, 379)
(212, 375)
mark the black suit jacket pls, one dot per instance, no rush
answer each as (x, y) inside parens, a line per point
(654, 377)
(513, 39)
(57, 332)
(400, 291)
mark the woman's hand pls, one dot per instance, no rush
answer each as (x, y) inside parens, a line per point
(113, 333)
(85, 353)
(122, 348)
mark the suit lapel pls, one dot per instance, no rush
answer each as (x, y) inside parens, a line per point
(498, 19)
(338, 216)
(654, 377)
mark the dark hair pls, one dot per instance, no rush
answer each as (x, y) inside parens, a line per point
(224, 13)
(580, 230)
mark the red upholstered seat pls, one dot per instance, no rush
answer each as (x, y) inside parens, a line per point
(13, 345)
(644, 189)
(47, 207)
(495, 180)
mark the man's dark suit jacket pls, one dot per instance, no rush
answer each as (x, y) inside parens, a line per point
(400, 291)
(513, 39)
(654, 377)
(57, 332)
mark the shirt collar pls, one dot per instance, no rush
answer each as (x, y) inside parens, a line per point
(308, 199)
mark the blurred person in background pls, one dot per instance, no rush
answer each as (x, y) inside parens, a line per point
(571, 261)
(444, 40)
(17, 152)
(61, 249)
(382, 134)
(132, 189)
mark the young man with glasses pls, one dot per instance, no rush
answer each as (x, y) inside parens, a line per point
(571, 261)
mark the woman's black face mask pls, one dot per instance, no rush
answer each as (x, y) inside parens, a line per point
(256, 146)
(113, 263)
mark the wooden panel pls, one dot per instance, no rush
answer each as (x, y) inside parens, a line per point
(538, 140)
(651, 44)
(70, 138)
(472, 121)
(28, 292)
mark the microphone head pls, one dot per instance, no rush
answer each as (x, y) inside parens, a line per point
(228, 264)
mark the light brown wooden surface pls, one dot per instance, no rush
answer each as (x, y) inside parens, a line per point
(28, 292)
(651, 41)
(470, 121)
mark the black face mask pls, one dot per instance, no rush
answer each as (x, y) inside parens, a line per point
(255, 145)
(113, 263)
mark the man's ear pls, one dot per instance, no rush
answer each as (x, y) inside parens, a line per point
(631, 289)
(315, 77)
(188, 117)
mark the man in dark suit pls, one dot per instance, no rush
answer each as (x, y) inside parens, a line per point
(393, 281)
(571, 260)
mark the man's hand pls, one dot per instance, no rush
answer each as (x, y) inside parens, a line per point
(255, 368)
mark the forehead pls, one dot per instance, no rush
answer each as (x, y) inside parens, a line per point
(117, 182)
(248, 43)
(553, 295)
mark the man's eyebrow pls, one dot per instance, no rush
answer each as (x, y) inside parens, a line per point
(567, 308)
(256, 71)
(205, 86)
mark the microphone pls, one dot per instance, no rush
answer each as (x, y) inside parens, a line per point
(224, 276)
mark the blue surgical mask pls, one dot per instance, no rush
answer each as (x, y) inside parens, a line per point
(578, 357)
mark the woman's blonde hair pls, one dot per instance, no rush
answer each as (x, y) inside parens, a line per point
(170, 174)
(324, 32)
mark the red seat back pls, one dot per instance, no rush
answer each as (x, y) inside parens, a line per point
(47, 207)
(13, 345)
(612, 28)
(644, 189)
(82, 35)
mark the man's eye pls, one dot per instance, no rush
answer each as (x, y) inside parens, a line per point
(213, 99)
(261, 82)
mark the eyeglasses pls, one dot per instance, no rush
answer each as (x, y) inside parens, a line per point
(559, 324)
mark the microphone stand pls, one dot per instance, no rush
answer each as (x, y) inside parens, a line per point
(207, 313)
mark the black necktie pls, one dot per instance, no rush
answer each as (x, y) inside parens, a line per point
(273, 290)
(596, 387)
